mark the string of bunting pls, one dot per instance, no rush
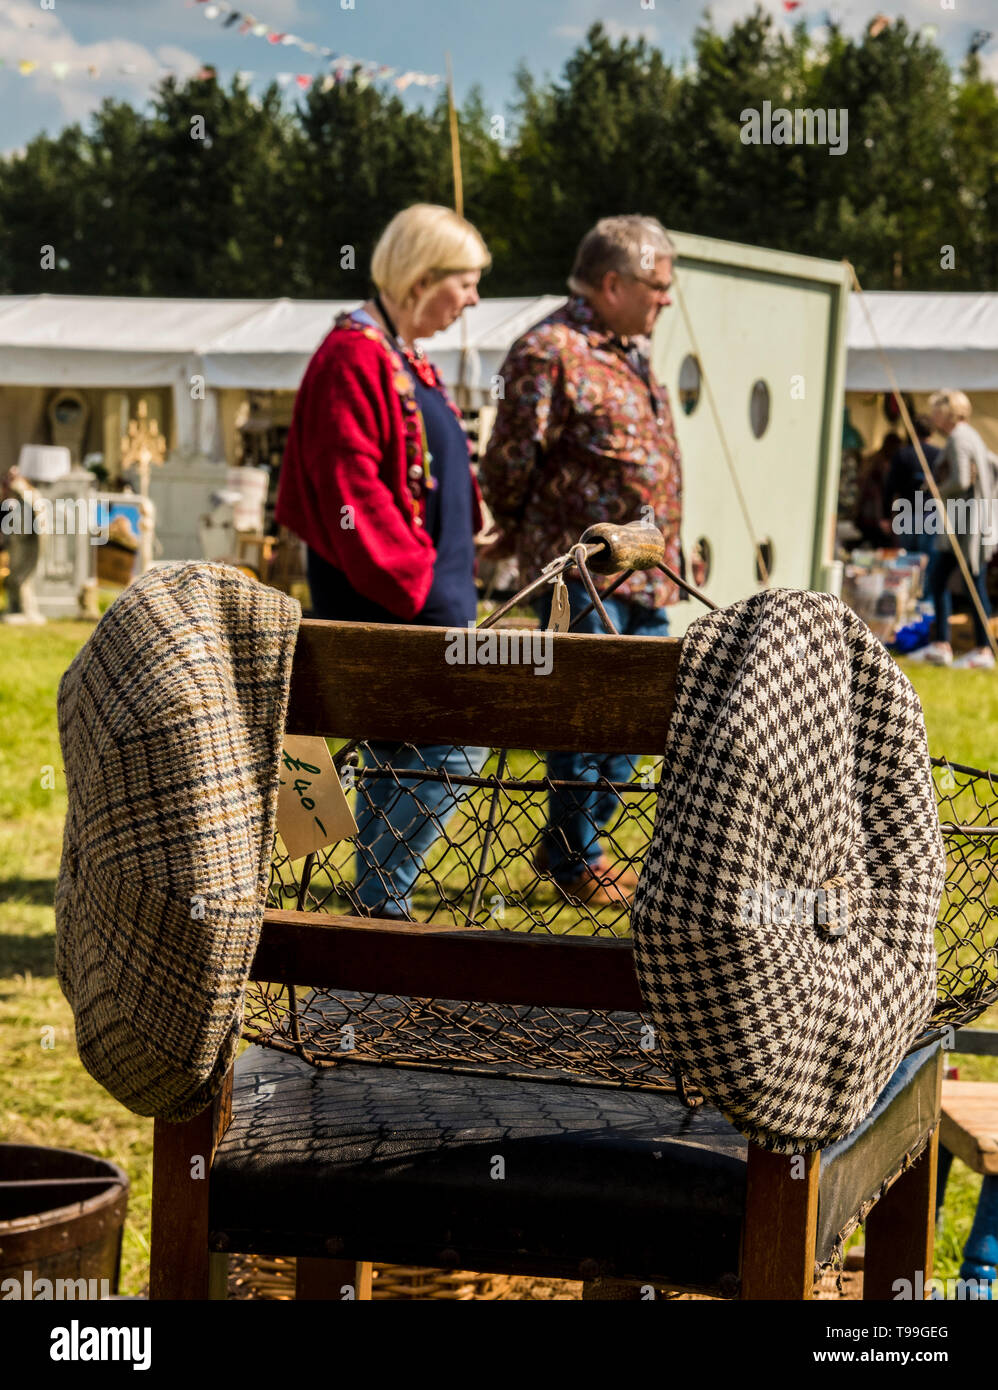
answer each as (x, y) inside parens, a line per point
(246, 24)
(342, 66)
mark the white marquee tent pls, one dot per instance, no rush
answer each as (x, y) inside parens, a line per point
(932, 341)
(49, 341)
(252, 344)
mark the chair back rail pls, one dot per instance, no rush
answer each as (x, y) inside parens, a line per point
(606, 694)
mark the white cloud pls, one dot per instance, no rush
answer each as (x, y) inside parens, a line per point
(39, 36)
(569, 31)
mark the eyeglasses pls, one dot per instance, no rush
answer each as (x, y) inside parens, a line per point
(655, 285)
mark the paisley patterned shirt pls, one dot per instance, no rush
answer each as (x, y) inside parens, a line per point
(583, 434)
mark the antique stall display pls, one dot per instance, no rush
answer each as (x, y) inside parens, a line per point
(884, 588)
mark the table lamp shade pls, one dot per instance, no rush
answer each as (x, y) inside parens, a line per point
(44, 463)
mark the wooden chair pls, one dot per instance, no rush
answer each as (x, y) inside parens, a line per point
(622, 1188)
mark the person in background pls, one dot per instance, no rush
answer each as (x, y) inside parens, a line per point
(905, 478)
(377, 481)
(584, 434)
(904, 474)
(966, 471)
(872, 517)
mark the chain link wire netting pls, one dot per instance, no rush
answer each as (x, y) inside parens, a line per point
(967, 931)
(487, 871)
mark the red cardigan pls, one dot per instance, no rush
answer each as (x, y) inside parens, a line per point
(352, 482)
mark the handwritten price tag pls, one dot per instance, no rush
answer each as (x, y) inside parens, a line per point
(561, 609)
(312, 808)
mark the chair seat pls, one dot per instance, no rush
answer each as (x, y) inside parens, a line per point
(366, 1161)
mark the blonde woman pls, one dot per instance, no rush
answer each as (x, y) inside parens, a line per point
(377, 481)
(966, 471)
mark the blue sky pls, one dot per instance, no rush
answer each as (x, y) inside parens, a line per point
(130, 43)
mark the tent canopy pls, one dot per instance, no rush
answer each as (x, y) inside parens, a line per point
(932, 340)
(78, 340)
(250, 344)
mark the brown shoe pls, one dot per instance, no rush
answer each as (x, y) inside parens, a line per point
(600, 885)
(621, 876)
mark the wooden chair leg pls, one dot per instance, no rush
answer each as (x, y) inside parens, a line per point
(327, 1279)
(179, 1266)
(900, 1231)
(781, 1222)
(218, 1277)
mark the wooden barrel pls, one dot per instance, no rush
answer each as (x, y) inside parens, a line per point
(61, 1219)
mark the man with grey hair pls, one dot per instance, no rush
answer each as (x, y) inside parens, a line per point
(584, 434)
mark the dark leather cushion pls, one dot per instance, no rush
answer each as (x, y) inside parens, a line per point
(411, 1166)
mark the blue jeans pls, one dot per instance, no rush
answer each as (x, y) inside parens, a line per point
(925, 544)
(398, 820)
(575, 816)
(944, 564)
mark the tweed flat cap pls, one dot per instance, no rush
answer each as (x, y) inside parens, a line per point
(784, 919)
(170, 719)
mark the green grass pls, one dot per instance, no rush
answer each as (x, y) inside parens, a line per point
(47, 1098)
(961, 712)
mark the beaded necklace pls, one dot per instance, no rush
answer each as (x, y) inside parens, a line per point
(417, 360)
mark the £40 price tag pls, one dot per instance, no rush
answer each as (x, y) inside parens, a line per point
(312, 808)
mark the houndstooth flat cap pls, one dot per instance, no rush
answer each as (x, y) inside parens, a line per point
(784, 919)
(170, 719)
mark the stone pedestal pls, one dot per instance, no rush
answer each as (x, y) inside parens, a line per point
(66, 560)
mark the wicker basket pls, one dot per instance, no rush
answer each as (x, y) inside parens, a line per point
(115, 564)
(260, 1277)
